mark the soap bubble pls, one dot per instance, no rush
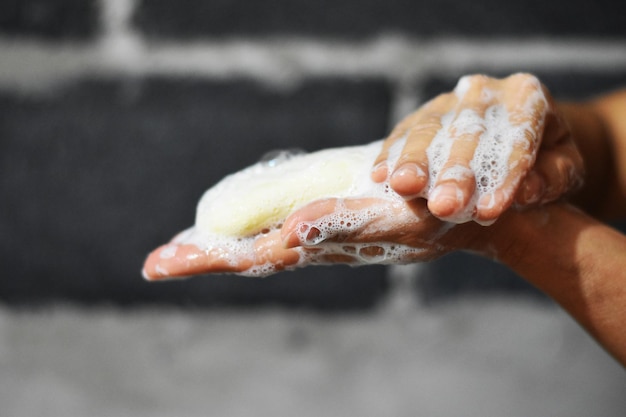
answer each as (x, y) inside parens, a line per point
(278, 156)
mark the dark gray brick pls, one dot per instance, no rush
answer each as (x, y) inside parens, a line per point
(460, 274)
(49, 19)
(344, 18)
(96, 174)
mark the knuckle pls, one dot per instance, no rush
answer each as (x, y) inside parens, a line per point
(425, 130)
(458, 171)
(473, 82)
(479, 79)
(468, 125)
(410, 156)
(440, 103)
(380, 158)
(524, 79)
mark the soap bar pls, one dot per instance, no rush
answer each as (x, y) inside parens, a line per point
(261, 196)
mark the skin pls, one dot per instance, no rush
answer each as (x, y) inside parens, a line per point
(557, 168)
(561, 247)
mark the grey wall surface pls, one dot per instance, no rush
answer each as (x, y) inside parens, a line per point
(116, 115)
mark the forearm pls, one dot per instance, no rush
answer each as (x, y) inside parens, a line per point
(577, 261)
(599, 130)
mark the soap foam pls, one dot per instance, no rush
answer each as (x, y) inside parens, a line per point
(222, 229)
(490, 166)
(209, 237)
(263, 195)
(462, 87)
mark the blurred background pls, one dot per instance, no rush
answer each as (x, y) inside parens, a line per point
(115, 116)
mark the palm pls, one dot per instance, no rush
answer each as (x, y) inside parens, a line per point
(408, 224)
(394, 232)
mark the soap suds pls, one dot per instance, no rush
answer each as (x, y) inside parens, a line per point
(210, 236)
(468, 123)
(490, 162)
(244, 206)
(462, 87)
(457, 173)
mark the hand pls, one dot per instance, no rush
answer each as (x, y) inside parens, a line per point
(351, 231)
(376, 230)
(179, 259)
(267, 253)
(447, 156)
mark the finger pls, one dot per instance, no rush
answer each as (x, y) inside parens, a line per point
(174, 260)
(359, 221)
(269, 249)
(410, 172)
(380, 167)
(493, 203)
(532, 188)
(526, 108)
(559, 167)
(425, 122)
(556, 172)
(410, 178)
(555, 130)
(526, 100)
(456, 183)
(182, 260)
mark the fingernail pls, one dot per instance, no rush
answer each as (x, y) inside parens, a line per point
(408, 170)
(379, 172)
(447, 196)
(145, 275)
(408, 181)
(291, 241)
(486, 202)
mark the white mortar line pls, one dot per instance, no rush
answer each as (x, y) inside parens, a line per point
(119, 44)
(283, 62)
(510, 54)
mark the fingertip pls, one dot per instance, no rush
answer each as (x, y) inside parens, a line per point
(152, 269)
(531, 190)
(379, 172)
(290, 240)
(287, 230)
(408, 180)
(446, 200)
(148, 276)
(568, 179)
(490, 207)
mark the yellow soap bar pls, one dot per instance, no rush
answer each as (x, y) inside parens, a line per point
(263, 195)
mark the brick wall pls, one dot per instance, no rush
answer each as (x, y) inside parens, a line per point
(116, 115)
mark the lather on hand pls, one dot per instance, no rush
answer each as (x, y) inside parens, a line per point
(543, 163)
(468, 153)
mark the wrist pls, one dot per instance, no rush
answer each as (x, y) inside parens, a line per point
(503, 241)
(575, 260)
(522, 238)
